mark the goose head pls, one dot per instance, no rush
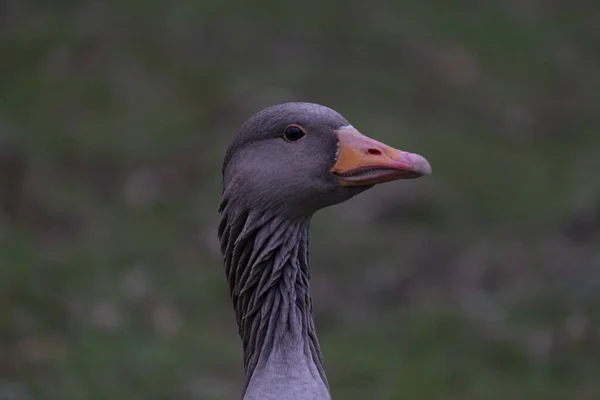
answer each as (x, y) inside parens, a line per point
(297, 158)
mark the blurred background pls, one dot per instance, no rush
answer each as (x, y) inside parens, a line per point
(479, 282)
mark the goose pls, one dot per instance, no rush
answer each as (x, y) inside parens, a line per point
(285, 163)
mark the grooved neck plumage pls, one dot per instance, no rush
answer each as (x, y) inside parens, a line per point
(266, 263)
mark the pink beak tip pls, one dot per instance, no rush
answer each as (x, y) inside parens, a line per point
(420, 164)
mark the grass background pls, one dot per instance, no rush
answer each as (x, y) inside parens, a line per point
(479, 282)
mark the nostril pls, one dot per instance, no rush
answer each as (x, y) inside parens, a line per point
(374, 152)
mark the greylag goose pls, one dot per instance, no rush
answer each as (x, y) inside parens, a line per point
(285, 163)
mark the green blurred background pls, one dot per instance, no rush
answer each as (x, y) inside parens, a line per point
(479, 282)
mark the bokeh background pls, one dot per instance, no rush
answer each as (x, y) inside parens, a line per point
(479, 282)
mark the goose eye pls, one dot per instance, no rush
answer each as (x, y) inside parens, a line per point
(293, 133)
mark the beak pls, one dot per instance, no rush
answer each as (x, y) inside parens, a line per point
(362, 161)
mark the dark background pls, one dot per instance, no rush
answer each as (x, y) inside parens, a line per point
(479, 282)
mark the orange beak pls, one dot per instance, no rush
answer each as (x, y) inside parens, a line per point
(362, 161)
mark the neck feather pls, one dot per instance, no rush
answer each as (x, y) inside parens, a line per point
(266, 263)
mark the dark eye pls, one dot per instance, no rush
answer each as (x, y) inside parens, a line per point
(293, 133)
